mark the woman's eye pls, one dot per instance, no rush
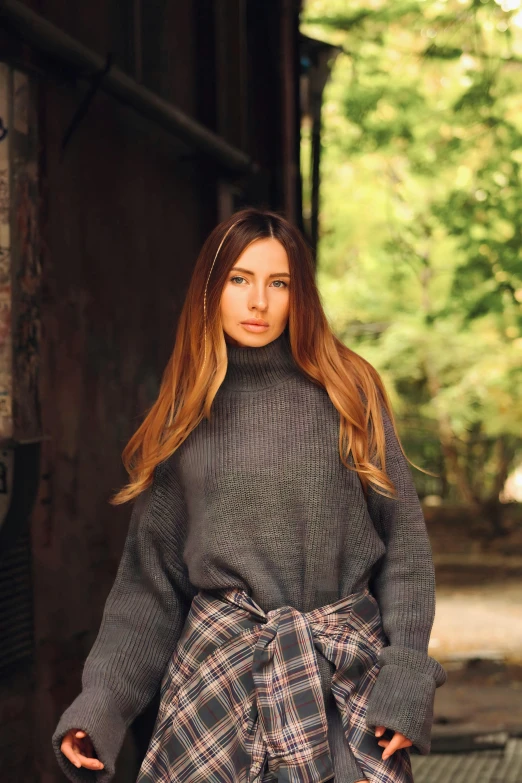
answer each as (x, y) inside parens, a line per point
(238, 277)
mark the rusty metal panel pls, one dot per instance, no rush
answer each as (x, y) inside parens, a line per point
(19, 352)
(25, 261)
(16, 604)
(20, 270)
(6, 359)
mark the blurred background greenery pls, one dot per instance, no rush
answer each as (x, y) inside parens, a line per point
(420, 253)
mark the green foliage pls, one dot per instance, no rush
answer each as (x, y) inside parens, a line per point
(420, 256)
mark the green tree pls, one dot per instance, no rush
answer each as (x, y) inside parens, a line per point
(420, 258)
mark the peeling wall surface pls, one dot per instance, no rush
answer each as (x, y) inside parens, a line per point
(105, 232)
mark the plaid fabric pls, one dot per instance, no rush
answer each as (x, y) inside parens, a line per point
(241, 698)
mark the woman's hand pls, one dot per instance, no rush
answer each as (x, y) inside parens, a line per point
(78, 748)
(397, 741)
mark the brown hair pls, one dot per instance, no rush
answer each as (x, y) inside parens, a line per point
(195, 372)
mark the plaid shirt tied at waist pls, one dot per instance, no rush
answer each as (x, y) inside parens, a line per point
(241, 698)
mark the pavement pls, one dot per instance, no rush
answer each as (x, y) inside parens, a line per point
(477, 636)
(484, 766)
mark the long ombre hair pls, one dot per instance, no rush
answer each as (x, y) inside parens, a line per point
(198, 363)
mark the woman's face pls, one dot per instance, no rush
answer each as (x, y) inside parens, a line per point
(257, 287)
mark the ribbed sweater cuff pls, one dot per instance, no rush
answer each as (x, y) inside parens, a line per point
(403, 696)
(94, 711)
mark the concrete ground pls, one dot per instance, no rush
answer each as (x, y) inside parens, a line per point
(485, 617)
(477, 636)
(483, 766)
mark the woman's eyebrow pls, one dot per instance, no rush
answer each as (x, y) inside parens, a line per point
(248, 272)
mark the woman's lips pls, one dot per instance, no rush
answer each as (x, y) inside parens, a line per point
(254, 327)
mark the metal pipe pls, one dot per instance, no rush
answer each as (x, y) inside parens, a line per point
(50, 39)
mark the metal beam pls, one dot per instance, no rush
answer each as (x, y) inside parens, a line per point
(63, 47)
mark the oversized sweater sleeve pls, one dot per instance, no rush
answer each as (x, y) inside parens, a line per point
(142, 621)
(402, 698)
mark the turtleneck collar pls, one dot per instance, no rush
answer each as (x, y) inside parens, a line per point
(251, 369)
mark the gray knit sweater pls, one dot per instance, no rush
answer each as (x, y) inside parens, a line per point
(258, 498)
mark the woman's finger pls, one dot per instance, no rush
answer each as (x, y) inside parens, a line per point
(72, 755)
(84, 746)
(383, 743)
(74, 748)
(68, 749)
(69, 754)
(396, 742)
(405, 744)
(90, 763)
(85, 750)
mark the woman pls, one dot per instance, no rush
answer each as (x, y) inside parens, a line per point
(277, 578)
